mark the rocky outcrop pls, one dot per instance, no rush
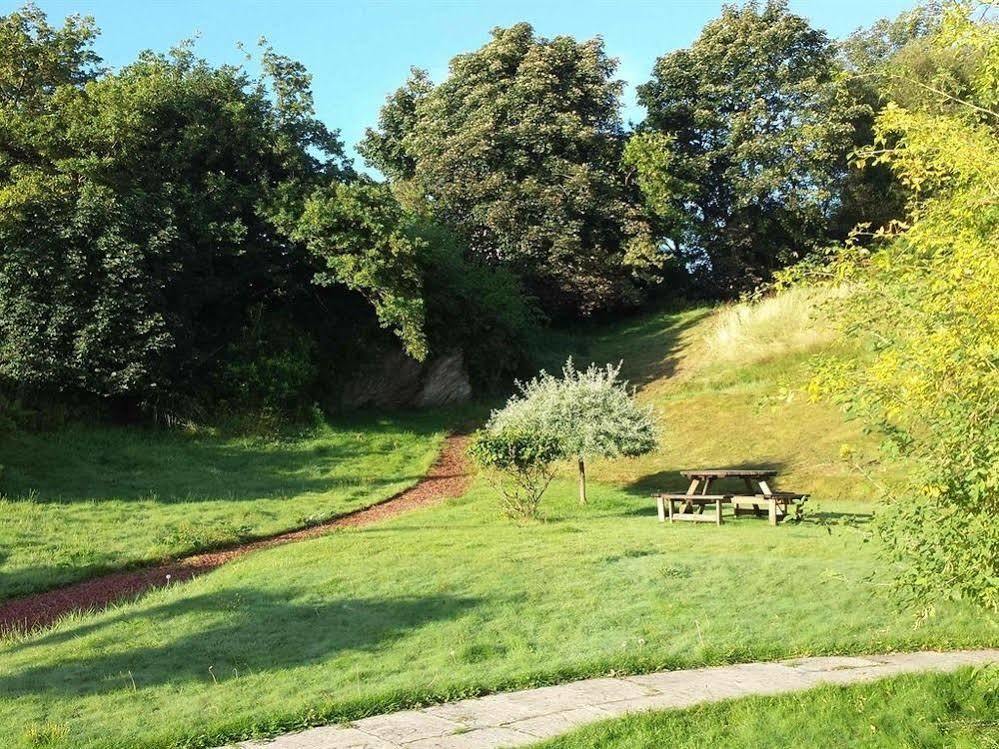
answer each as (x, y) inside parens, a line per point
(394, 380)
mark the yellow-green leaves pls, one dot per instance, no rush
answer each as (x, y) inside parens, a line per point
(928, 302)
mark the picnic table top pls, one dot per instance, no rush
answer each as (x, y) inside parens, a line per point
(729, 473)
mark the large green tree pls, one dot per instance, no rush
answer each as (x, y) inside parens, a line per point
(137, 227)
(745, 146)
(519, 151)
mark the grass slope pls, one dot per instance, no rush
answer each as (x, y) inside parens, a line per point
(453, 601)
(957, 711)
(727, 384)
(85, 500)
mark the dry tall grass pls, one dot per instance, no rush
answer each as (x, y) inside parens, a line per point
(790, 322)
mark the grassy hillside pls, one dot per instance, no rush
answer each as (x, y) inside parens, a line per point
(726, 383)
(457, 600)
(85, 500)
(957, 711)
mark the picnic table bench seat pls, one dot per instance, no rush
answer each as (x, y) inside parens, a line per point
(666, 507)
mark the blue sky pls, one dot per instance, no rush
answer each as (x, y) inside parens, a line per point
(358, 52)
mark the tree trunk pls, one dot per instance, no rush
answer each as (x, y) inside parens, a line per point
(582, 482)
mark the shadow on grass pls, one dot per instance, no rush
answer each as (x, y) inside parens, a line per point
(670, 481)
(831, 517)
(223, 635)
(648, 345)
(93, 464)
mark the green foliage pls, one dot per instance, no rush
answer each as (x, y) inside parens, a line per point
(38, 58)
(518, 150)
(385, 147)
(357, 230)
(136, 225)
(271, 365)
(591, 414)
(744, 149)
(926, 298)
(416, 274)
(481, 309)
(522, 462)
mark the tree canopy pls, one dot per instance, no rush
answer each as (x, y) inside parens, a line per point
(519, 150)
(175, 229)
(135, 226)
(744, 148)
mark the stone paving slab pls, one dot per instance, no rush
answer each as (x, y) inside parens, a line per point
(531, 715)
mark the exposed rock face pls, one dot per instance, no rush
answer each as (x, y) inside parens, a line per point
(394, 380)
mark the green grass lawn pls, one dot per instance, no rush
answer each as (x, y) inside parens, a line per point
(957, 711)
(85, 500)
(452, 601)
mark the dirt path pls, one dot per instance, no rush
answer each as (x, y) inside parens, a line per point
(448, 477)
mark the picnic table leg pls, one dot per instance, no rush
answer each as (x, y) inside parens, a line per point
(768, 492)
(749, 490)
(691, 490)
(718, 508)
(661, 509)
(704, 490)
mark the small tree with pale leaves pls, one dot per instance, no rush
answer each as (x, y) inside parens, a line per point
(592, 413)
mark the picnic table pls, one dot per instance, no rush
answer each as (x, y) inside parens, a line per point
(691, 504)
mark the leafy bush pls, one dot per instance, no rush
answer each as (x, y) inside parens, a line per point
(272, 365)
(522, 463)
(927, 302)
(482, 310)
(358, 232)
(137, 209)
(591, 413)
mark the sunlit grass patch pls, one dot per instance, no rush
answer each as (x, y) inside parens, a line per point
(88, 499)
(792, 321)
(453, 601)
(931, 711)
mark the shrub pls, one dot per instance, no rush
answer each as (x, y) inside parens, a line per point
(521, 463)
(592, 414)
(480, 309)
(926, 300)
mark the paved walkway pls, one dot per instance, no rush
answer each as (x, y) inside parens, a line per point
(529, 716)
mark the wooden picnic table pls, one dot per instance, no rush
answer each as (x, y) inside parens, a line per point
(758, 492)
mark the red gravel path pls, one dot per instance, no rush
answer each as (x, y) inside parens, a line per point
(448, 477)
